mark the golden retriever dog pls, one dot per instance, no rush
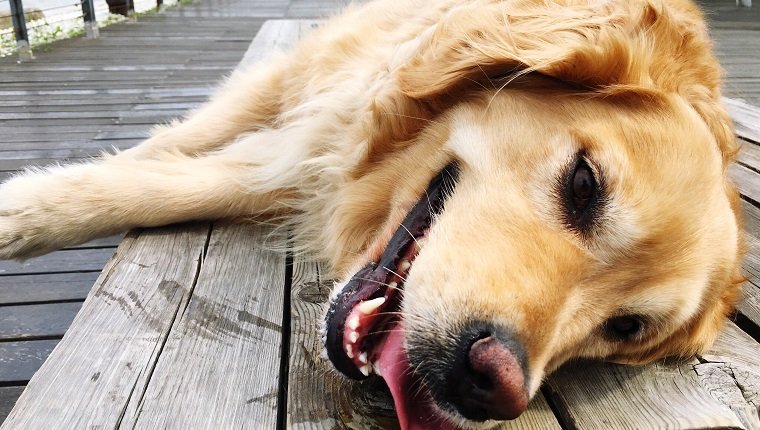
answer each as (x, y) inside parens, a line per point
(499, 185)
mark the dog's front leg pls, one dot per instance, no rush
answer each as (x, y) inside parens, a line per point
(44, 210)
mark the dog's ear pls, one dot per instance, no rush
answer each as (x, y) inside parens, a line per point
(604, 47)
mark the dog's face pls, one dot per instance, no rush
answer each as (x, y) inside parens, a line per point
(569, 236)
(569, 223)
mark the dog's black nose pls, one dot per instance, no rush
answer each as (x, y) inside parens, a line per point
(492, 383)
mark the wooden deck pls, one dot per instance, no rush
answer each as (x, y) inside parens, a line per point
(736, 33)
(196, 301)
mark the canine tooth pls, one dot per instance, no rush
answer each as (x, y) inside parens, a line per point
(404, 266)
(371, 305)
(363, 357)
(353, 322)
(365, 370)
(353, 336)
(393, 285)
(349, 350)
(376, 369)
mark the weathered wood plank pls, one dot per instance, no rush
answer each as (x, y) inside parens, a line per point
(46, 288)
(67, 260)
(749, 155)
(19, 360)
(105, 361)
(730, 371)
(746, 118)
(34, 321)
(320, 399)
(747, 181)
(692, 395)
(8, 397)
(275, 36)
(602, 396)
(750, 304)
(220, 365)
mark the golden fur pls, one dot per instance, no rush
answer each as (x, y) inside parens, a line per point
(343, 133)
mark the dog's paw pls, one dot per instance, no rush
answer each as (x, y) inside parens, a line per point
(13, 241)
(28, 224)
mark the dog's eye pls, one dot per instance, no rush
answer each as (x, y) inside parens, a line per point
(581, 193)
(623, 328)
(584, 186)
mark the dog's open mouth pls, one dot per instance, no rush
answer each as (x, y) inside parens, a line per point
(364, 332)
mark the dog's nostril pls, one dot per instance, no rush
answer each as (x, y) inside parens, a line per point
(481, 381)
(478, 379)
(494, 384)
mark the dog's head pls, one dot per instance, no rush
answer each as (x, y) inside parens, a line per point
(579, 206)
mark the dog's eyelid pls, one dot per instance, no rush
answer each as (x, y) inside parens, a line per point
(584, 156)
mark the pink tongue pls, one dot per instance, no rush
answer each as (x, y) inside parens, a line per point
(414, 410)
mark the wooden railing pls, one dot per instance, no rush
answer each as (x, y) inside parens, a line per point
(18, 18)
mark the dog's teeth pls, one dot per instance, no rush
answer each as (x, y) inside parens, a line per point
(353, 336)
(363, 357)
(353, 322)
(393, 285)
(404, 266)
(376, 369)
(365, 370)
(349, 350)
(371, 306)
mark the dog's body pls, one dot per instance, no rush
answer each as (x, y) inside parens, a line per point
(587, 211)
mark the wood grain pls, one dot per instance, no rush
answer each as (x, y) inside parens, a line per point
(730, 372)
(750, 304)
(219, 368)
(749, 155)
(275, 37)
(318, 398)
(104, 362)
(746, 118)
(748, 182)
(719, 390)
(592, 395)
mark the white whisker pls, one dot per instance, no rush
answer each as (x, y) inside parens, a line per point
(410, 234)
(391, 271)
